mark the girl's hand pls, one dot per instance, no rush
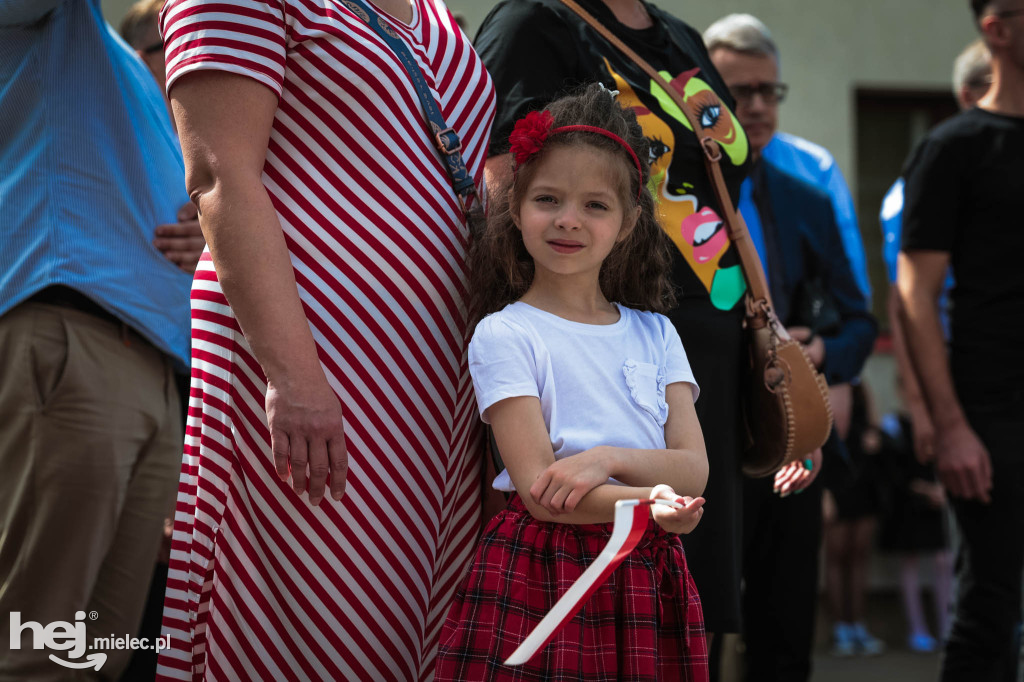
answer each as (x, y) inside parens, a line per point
(306, 433)
(682, 520)
(796, 475)
(563, 484)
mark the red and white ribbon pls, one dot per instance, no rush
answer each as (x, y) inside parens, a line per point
(630, 523)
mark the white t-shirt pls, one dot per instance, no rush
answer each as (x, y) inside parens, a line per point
(597, 384)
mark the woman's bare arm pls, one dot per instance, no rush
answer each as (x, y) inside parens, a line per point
(224, 122)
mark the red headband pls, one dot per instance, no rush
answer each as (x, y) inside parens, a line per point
(531, 131)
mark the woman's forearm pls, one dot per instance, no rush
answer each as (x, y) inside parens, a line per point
(224, 125)
(256, 275)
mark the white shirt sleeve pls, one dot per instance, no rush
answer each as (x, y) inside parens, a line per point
(502, 363)
(677, 366)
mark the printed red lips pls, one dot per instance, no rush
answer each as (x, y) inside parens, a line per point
(706, 232)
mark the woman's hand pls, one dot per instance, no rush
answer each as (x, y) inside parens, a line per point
(797, 475)
(682, 520)
(306, 432)
(563, 484)
(183, 242)
(812, 343)
(933, 493)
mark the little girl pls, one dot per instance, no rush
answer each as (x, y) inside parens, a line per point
(590, 402)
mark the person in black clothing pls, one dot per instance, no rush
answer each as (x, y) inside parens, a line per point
(800, 244)
(964, 200)
(537, 50)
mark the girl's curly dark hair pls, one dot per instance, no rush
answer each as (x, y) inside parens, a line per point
(635, 273)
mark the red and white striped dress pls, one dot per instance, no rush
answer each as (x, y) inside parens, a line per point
(263, 586)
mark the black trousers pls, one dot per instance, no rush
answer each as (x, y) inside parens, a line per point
(782, 537)
(984, 644)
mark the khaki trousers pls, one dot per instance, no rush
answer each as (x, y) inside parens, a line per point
(90, 451)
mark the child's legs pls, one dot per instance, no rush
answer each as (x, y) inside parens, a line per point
(837, 552)
(911, 588)
(862, 532)
(942, 590)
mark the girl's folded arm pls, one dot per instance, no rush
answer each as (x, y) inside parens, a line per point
(525, 448)
(683, 465)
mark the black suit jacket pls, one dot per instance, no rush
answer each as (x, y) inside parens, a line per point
(810, 246)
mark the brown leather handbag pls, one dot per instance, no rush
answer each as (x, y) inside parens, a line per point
(786, 404)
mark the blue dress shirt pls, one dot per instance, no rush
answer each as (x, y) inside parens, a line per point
(89, 166)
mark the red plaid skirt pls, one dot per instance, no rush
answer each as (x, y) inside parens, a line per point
(645, 623)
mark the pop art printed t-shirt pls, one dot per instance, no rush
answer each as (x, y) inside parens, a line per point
(597, 384)
(538, 50)
(965, 194)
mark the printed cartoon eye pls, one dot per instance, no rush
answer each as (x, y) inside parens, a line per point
(709, 115)
(658, 149)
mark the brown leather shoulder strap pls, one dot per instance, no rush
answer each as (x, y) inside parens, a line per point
(736, 227)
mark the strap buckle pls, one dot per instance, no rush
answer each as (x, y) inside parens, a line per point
(466, 200)
(712, 149)
(442, 144)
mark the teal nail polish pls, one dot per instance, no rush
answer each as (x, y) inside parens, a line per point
(809, 464)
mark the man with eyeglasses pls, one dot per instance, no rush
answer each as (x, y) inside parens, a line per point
(792, 224)
(804, 159)
(964, 203)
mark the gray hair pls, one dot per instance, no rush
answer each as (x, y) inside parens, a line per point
(972, 66)
(741, 33)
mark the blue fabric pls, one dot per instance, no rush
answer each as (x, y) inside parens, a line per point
(447, 137)
(891, 218)
(811, 246)
(814, 164)
(753, 220)
(89, 166)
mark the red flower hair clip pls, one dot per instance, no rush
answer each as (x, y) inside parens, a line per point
(529, 134)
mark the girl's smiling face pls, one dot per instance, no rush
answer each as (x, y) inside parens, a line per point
(574, 210)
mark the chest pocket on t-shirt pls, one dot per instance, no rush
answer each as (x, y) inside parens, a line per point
(646, 383)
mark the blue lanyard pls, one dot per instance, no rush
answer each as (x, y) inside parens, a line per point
(445, 137)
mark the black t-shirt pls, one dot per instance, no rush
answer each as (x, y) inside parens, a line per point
(965, 195)
(537, 50)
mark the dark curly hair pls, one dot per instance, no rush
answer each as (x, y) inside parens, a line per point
(635, 273)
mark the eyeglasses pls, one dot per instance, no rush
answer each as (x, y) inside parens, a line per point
(979, 83)
(771, 93)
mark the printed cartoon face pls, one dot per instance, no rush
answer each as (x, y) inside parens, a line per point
(658, 133)
(719, 123)
(697, 232)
